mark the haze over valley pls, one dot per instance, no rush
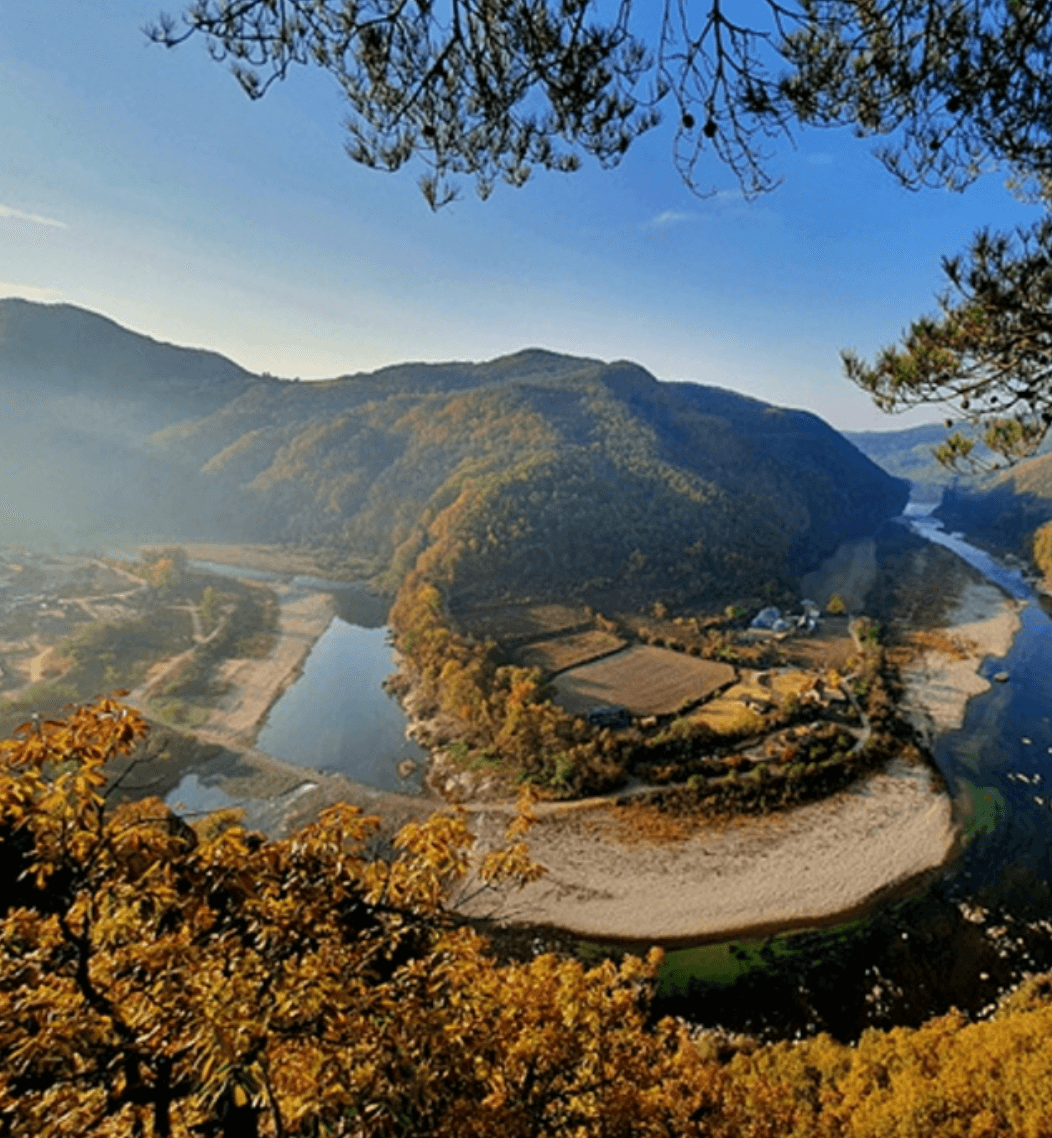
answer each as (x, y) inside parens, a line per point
(577, 558)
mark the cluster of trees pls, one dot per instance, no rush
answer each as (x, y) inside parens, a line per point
(164, 570)
(101, 656)
(499, 709)
(1042, 550)
(556, 474)
(166, 980)
(107, 655)
(504, 713)
(708, 777)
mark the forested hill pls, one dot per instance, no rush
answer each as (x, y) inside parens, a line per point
(910, 453)
(537, 471)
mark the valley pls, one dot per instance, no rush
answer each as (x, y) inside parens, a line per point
(573, 555)
(725, 726)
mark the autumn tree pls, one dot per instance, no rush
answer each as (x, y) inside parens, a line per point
(158, 979)
(161, 979)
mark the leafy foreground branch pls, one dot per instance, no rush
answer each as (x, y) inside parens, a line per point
(987, 357)
(158, 979)
(493, 89)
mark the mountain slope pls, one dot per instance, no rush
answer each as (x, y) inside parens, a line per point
(534, 472)
(1004, 510)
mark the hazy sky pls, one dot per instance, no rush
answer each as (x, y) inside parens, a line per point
(143, 184)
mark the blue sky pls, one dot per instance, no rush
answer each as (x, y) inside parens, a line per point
(141, 183)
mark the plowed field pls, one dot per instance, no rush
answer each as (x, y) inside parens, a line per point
(646, 680)
(568, 651)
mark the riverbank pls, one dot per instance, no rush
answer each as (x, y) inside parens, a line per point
(822, 863)
(251, 685)
(825, 861)
(254, 686)
(944, 672)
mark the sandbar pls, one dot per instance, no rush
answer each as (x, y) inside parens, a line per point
(254, 685)
(795, 869)
(817, 864)
(941, 679)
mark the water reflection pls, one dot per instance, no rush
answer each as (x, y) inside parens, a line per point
(337, 717)
(975, 932)
(195, 798)
(931, 529)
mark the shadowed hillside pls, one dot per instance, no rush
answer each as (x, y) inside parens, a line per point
(79, 398)
(534, 472)
(1006, 510)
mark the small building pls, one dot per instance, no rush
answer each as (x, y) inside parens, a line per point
(766, 618)
(612, 715)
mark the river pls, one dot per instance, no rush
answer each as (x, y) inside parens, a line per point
(963, 941)
(337, 718)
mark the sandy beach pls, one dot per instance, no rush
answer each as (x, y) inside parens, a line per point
(941, 679)
(824, 862)
(256, 685)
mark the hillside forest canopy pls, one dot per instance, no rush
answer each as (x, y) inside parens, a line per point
(462, 489)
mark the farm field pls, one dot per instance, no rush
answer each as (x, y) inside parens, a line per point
(564, 652)
(729, 712)
(521, 622)
(646, 680)
(829, 646)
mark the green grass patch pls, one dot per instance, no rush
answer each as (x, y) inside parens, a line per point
(721, 963)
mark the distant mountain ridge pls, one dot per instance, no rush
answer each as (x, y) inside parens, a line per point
(538, 471)
(910, 453)
(1001, 509)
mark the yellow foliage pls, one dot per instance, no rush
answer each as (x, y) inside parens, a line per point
(155, 979)
(1042, 550)
(161, 980)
